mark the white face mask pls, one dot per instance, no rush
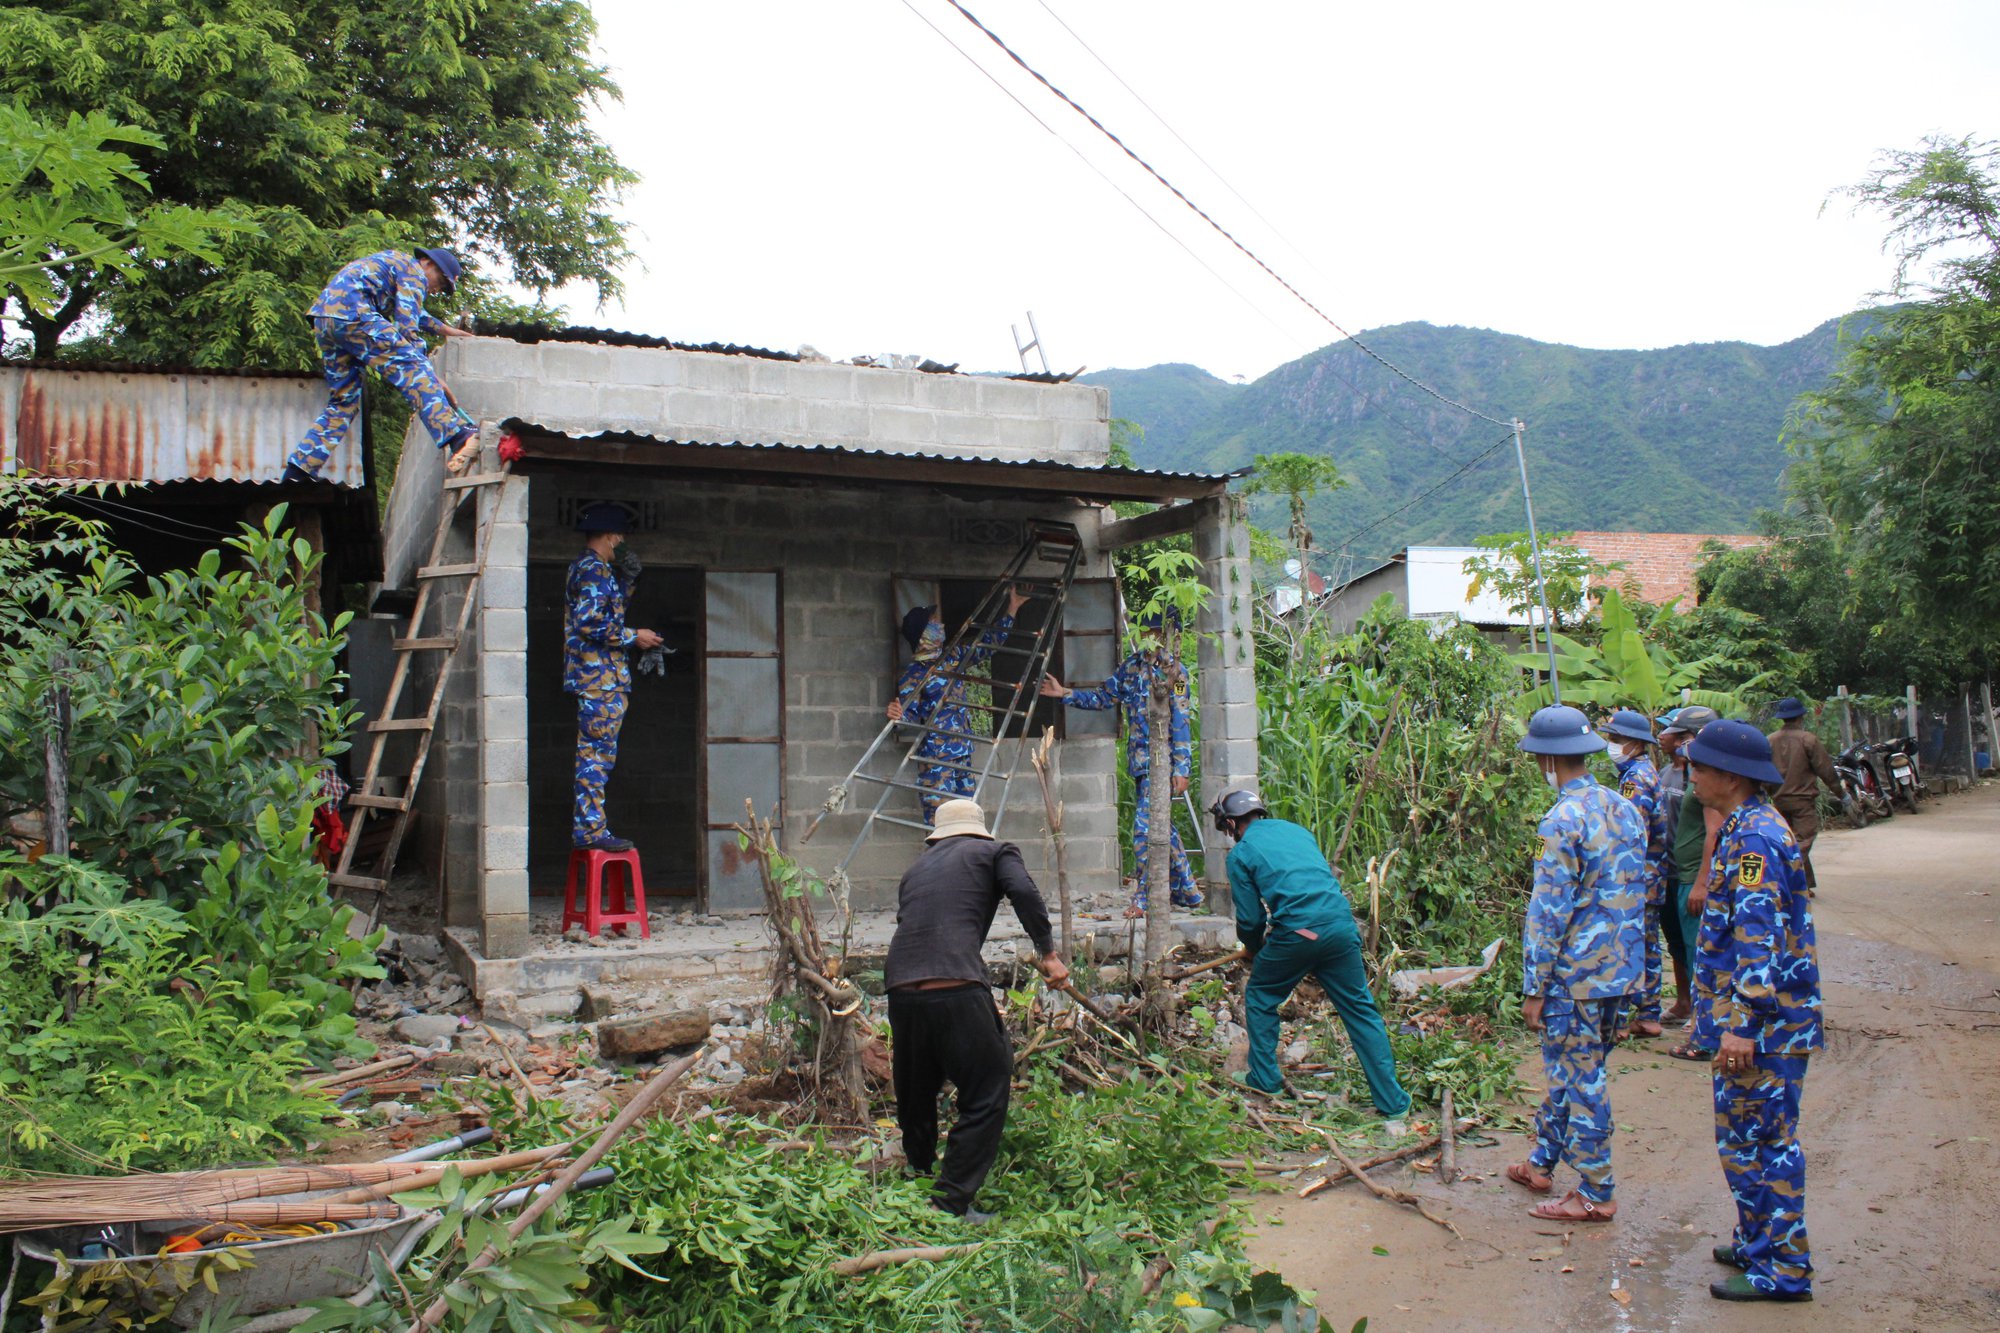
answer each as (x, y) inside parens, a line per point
(1549, 776)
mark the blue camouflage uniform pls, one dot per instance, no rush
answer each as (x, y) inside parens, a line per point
(930, 699)
(1582, 954)
(372, 313)
(1639, 783)
(1129, 688)
(595, 671)
(1756, 974)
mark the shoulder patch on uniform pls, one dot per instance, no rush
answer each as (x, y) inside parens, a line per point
(1629, 790)
(1750, 870)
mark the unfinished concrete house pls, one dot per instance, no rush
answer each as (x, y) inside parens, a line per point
(787, 513)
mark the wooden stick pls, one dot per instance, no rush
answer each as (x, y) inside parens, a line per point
(1448, 1164)
(1386, 1194)
(1335, 1177)
(1184, 973)
(432, 1173)
(513, 1064)
(1157, 1270)
(341, 1076)
(927, 1254)
(1040, 758)
(634, 1111)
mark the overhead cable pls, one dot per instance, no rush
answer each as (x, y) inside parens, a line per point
(1464, 468)
(1220, 230)
(1102, 175)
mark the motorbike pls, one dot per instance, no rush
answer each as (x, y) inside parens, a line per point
(1863, 794)
(1903, 780)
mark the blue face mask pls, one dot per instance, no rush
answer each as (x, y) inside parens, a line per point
(931, 643)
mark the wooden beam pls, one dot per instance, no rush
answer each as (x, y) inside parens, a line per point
(1166, 521)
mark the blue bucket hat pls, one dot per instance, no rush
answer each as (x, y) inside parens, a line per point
(447, 263)
(1788, 708)
(603, 516)
(913, 625)
(1168, 620)
(1560, 729)
(1631, 724)
(1734, 747)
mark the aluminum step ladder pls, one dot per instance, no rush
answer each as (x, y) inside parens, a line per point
(421, 724)
(1048, 543)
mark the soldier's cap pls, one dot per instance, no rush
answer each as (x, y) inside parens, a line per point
(959, 819)
(1788, 708)
(1560, 729)
(447, 264)
(1690, 720)
(1735, 747)
(1168, 620)
(604, 516)
(1665, 721)
(913, 625)
(1631, 724)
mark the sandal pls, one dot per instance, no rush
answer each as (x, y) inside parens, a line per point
(1573, 1207)
(1525, 1175)
(1687, 1050)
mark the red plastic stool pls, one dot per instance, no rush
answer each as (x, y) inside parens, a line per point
(592, 916)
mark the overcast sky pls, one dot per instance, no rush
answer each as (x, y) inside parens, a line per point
(1611, 175)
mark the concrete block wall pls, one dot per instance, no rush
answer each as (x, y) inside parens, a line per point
(500, 719)
(838, 551)
(588, 389)
(1226, 663)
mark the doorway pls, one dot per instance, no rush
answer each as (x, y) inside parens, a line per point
(653, 795)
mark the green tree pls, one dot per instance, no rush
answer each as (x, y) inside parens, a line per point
(70, 199)
(1630, 667)
(1900, 452)
(1297, 477)
(334, 130)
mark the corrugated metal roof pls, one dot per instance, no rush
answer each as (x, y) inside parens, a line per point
(153, 424)
(919, 465)
(583, 333)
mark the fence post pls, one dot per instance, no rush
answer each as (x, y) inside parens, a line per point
(1910, 713)
(1971, 749)
(1992, 725)
(1846, 720)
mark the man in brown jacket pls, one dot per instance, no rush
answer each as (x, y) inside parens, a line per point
(1805, 764)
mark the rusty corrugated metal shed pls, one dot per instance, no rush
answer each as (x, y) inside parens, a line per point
(135, 424)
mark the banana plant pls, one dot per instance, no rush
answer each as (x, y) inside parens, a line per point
(1624, 670)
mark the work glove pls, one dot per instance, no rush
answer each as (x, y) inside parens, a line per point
(628, 569)
(1251, 941)
(653, 662)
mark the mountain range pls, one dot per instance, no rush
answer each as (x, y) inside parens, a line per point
(1679, 439)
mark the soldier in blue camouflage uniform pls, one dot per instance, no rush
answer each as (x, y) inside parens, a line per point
(1582, 957)
(1757, 983)
(1130, 688)
(595, 638)
(926, 696)
(1639, 783)
(372, 314)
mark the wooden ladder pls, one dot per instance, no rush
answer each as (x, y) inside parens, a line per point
(367, 800)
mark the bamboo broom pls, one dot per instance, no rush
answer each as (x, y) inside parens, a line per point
(94, 1200)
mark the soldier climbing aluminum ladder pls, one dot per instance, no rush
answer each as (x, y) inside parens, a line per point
(1015, 670)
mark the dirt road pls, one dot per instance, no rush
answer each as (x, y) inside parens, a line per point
(1901, 1129)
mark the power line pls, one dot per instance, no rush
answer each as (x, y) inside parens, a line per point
(1231, 287)
(1212, 169)
(1464, 468)
(1203, 215)
(101, 504)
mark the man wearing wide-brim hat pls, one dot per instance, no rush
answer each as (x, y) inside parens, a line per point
(372, 314)
(1583, 953)
(1758, 1008)
(943, 1024)
(1805, 764)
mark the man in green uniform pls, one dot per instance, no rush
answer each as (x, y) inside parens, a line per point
(1293, 919)
(1695, 827)
(1805, 764)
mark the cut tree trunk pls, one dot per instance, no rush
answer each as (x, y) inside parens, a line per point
(1159, 1007)
(1044, 761)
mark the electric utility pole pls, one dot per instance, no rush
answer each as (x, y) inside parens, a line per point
(1535, 545)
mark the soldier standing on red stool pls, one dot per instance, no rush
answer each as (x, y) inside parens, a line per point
(594, 668)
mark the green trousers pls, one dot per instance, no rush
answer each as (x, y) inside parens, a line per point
(1335, 959)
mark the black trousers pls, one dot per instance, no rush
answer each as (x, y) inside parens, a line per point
(937, 1035)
